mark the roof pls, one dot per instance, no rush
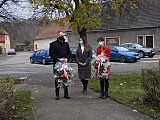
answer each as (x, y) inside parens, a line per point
(2, 35)
(21, 44)
(3, 32)
(146, 16)
(51, 31)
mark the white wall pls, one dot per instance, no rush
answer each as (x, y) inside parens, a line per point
(44, 43)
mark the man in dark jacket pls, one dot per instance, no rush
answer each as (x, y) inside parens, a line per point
(59, 51)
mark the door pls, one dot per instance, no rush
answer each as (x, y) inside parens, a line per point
(149, 41)
(113, 53)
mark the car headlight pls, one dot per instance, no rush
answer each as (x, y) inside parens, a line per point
(129, 54)
(147, 50)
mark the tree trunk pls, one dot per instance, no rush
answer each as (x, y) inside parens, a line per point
(83, 32)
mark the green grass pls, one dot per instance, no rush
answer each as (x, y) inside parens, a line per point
(21, 101)
(126, 88)
(24, 106)
(10, 79)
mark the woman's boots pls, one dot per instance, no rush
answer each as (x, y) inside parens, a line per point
(85, 84)
(104, 84)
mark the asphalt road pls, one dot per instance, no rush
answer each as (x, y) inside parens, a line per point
(20, 66)
(39, 80)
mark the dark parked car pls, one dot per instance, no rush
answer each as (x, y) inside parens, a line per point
(11, 52)
(119, 53)
(41, 56)
(73, 54)
(142, 50)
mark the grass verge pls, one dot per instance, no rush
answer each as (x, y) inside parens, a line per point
(18, 102)
(24, 106)
(126, 89)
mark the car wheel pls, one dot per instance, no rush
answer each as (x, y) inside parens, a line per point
(31, 60)
(135, 61)
(122, 59)
(43, 61)
(141, 54)
(150, 56)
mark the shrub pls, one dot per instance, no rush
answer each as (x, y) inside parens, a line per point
(7, 102)
(151, 87)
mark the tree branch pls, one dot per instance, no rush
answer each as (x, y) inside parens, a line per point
(3, 2)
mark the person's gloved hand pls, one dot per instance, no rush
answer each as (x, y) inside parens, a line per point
(63, 59)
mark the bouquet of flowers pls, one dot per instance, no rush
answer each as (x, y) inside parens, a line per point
(100, 64)
(63, 74)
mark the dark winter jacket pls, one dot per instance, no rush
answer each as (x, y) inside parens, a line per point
(84, 72)
(59, 50)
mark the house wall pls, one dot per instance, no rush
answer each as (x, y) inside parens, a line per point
(6, 44)
(44, 43)
(128, 35)
(3, 46)
(73, 39)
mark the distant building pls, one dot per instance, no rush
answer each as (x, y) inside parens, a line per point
(4, 41)
(21, 47)
(47, 35)
(142, 27)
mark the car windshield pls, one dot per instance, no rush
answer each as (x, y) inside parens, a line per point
(11, 50)
(122, 49)
(137, 45)
(73, 50)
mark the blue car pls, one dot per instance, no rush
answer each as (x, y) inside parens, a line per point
(122, 54)
(41, 56)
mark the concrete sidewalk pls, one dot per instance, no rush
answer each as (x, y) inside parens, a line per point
(79, 107)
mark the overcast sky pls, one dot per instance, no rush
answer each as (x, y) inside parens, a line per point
(22, 10)
(25, 10)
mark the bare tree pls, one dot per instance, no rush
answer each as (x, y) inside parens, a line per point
(82, 15)
(12, 9)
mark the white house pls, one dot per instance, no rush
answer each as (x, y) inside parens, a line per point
(47, 35)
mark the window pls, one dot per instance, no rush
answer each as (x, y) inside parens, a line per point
(140, 40)
(42, 52)
(130, 45)
(38, 52)
(36, 47)
(112, 40)
(125, 45)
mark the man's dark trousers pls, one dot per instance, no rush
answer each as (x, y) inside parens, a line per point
(57, 87)
(104, 84)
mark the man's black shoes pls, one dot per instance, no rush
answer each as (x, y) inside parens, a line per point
(85, 92)
(103, 96)
(57, 98)
(67, 97)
